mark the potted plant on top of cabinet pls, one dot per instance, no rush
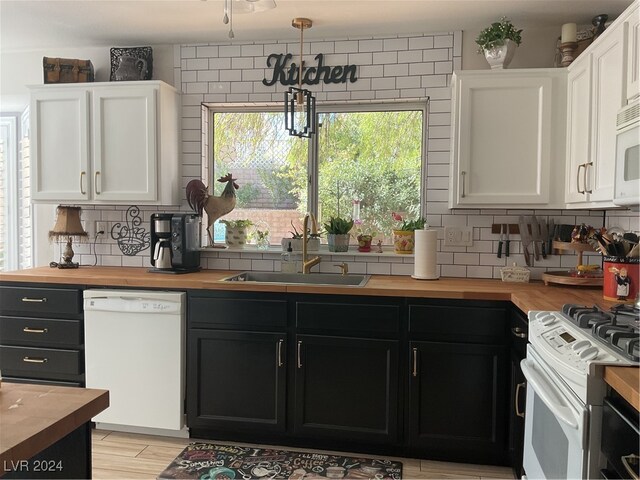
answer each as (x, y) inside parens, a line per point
(498, 42)
(338, 233)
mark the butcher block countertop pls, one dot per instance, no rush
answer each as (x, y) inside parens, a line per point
(527, 296)
(33, 417)
(625, 381)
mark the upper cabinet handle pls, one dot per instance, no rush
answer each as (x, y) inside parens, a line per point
(463, 174)
(586, 167)
(95, 183)
(582, 165)
(82, 190)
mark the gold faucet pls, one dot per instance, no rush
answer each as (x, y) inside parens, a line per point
(308, 263)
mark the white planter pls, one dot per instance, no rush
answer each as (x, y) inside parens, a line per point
(313, 244)
(235, 237)
(500, 56)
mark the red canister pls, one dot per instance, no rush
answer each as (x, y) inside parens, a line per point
(621, 279)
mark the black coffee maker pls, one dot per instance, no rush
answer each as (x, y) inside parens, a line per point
(175, 242)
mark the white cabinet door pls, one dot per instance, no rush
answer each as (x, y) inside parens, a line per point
(124, 143)
(59, 145)
(608, 96)
(501, 152)
(578, 131)
(633, 54)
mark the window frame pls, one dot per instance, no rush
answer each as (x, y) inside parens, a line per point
(10, 125)
(419, 104)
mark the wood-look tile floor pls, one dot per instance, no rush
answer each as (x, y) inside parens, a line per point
(118, 455)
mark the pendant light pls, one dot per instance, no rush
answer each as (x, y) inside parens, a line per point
(299, 103)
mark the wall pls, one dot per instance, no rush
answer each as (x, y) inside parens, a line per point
(389, 67)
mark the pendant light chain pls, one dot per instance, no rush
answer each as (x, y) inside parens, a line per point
(301, 47)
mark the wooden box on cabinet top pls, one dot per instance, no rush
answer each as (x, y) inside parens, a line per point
(105, 143)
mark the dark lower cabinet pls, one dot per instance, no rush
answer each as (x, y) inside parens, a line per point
(346, 388)
(517, 389)
(236, 381)
(458, 401)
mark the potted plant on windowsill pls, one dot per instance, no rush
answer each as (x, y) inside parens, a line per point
(236, 232)
(365, 237)
(338, 229)
(313, 241)
(498, 42)
(404, 236)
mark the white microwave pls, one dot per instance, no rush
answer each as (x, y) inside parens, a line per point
(627, 178)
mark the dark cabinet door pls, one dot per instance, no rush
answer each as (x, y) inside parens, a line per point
(458, 401)
(236, 380)
(346, 388)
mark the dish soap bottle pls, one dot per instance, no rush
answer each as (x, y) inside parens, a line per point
(287, 263)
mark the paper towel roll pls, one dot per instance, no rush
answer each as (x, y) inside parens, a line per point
(424, 261)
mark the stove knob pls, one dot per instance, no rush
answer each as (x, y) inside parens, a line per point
(581, 345)
(548, 320)
(589, 353)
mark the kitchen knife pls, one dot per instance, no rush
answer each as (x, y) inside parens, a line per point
(506, 242)
(544, 233)
(525, 237)
(551, 235)
(535, 233)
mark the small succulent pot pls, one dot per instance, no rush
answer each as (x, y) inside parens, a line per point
(338, 242)
(364, 243)
(235, 237)
(403, 241)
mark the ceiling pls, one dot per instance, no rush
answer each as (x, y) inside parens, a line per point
(36, 24)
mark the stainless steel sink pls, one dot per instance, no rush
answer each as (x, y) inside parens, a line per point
(351, 280)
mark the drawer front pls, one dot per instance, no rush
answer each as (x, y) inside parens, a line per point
(40, 301)
(458, 323)
(343, 317)
(236, 313)
(40, 332)
(40, 362)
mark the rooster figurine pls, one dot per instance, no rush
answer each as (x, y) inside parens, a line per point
(199, 199)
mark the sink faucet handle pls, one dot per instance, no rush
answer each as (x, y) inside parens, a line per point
(344, 267)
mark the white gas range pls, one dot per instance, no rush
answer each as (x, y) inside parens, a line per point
(565, 389)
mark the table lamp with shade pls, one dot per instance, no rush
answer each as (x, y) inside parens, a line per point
(67, 225)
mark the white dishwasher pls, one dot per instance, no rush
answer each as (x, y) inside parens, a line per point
(135, 348)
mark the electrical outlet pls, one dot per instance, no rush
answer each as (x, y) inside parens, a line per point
(458, 236)
(101, 227)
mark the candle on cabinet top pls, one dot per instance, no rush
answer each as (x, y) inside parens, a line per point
(569, 33)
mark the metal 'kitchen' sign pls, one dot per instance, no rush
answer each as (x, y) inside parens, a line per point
(311, 75)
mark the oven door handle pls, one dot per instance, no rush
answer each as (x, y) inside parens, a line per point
(547, 394)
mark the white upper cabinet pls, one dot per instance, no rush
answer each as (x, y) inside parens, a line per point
(60, 145)
(106, 143)
(508, 138)
(632, 33)
(596, 92)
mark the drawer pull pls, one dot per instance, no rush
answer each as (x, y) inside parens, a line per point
(518, 332)
(299, 354)
(34, 360)
(415, 362)
(35, 330)
(34, 300)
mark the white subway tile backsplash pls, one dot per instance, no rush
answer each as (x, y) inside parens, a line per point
(389, 67)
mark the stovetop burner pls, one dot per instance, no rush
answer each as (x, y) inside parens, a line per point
(618, 328)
